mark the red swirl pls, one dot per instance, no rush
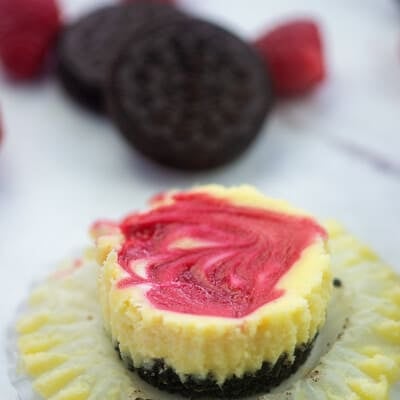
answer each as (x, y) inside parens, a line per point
(239, 256)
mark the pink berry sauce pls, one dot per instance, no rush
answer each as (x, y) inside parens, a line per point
(206, 256)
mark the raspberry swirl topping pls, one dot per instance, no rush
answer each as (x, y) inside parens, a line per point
(204, 255)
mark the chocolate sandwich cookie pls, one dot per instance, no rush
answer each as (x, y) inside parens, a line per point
(89, 46)
(189, 95)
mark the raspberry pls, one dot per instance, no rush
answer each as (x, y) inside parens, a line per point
(28, 29)
(293, 53)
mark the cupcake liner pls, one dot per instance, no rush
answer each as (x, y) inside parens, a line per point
(21, 381)
(357, 353)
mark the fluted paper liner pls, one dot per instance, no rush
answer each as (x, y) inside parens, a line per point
(58, 349)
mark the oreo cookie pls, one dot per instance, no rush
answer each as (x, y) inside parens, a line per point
(190, 94)
(88, 47)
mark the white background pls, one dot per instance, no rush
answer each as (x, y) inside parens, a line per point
(335, 153)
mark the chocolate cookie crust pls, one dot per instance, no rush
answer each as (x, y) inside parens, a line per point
(163, 377)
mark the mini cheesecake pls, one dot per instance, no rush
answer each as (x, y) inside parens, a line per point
(214, 291)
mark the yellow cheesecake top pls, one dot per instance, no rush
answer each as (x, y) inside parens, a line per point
(213, 280)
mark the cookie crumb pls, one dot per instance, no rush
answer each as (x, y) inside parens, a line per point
(337, 283)
(314, 375)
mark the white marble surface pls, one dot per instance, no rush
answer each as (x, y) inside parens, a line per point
(335, 153)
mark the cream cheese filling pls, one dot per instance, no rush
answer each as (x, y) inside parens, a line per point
(200, 345)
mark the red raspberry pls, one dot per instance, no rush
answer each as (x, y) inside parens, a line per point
(294, 55)
(28, 29)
